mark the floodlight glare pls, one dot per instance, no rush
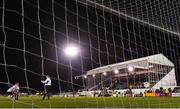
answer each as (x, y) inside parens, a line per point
(104, 73)
(71, 51)
(130, 68)
(93, 75)
(116, 71)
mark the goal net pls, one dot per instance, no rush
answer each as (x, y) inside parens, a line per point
(108, 35)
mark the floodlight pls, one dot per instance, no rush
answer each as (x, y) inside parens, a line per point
(93, 75)
(85, 76)
(104, 73)
(71, 51)
(116, 71)
(130, 68)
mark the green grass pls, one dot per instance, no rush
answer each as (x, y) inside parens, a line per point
(91, 102)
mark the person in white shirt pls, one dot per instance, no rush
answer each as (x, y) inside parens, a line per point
(47, 84)
(14, 90)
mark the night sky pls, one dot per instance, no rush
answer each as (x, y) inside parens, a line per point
(32, 36)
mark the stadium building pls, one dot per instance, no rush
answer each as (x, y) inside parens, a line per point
(147, 72)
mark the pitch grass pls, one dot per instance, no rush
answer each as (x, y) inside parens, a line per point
(91, 102)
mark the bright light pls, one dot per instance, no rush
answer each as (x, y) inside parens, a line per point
(104, 73)
(85, 76)
(116, 71)
(93, 75)
(71, 51)
(130, 69)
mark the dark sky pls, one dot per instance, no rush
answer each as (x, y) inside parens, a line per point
(31, 36)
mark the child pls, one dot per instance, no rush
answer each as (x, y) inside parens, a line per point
(14, 90)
